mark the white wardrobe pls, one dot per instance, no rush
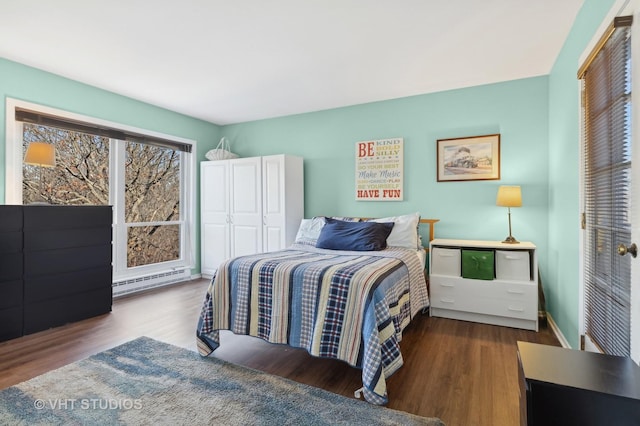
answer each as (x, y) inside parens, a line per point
(249, 205)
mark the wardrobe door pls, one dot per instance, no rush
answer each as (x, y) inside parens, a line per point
(214, 215)
(246, 206)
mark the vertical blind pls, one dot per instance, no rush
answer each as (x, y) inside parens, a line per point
(606, 94)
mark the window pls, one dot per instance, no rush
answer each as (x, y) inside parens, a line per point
(147, 177)
(606, 102)
(81, 175)
(152, 204)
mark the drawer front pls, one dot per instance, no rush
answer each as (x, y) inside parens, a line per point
(66, 217)
(517, 300)
(10, 294)
(507, 299)
(10, 242)
(11, 218)
(445, 261)
(10, 323)
(66, 238)
(48, 262)
(513, 265)
(75, 307)
(11, 266)
(51, 286)
(445, 292)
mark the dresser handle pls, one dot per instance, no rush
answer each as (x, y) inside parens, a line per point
(446, 285)
(448, 300)
(515, 309)
(515, 291)
(507, 257)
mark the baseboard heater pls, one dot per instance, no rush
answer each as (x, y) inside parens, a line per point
(132, 285)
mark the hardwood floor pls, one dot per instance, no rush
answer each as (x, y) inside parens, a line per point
(462, 372)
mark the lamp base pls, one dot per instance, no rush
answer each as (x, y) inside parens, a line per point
(511, 240)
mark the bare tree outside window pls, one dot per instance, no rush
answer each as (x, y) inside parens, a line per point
(81, 177)
(152, 181)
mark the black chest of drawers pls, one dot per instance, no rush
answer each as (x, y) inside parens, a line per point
(10, 272)
(55, 266)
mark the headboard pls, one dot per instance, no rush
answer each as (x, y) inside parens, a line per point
(431, 223)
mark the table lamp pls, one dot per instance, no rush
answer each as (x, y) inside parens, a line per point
(509, 196)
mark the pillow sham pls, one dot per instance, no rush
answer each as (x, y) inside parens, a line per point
(354, 236)
(309, 231)
(405, 230)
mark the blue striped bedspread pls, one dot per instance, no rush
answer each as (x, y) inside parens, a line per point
(351, 306)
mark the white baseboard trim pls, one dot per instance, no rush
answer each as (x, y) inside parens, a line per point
(556, 330)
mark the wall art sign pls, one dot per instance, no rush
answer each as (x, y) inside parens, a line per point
(472, 158)
(379, 170)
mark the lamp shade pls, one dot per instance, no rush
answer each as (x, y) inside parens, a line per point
(41, 154)
(509, 196)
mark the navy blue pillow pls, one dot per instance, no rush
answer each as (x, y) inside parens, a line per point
(356, 236)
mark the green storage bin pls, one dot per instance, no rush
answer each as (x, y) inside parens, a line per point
(478, 264)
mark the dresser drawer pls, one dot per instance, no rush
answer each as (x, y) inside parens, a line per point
(10, 323)
(513, 265)
(11, 266)
(10, 242)
(445, 261)
(10, 294)
(49, 262)
(514, 300)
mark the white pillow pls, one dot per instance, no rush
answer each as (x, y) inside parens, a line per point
(404, 232)
(309, 230)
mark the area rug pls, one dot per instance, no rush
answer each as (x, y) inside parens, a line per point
(149, 382)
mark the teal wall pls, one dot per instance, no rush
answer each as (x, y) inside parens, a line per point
(562, 289)
(32, 85)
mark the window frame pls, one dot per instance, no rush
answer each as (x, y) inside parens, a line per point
(13, 188)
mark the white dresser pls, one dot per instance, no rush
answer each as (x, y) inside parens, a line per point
(509, 299)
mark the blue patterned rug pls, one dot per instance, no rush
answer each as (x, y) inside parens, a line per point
(148, 382)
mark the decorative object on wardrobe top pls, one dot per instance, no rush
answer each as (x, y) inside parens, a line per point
(221, 152)
(509, 196)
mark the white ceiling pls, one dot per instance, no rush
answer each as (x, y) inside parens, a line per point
(229, 61)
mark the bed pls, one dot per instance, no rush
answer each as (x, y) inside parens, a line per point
(331, 293)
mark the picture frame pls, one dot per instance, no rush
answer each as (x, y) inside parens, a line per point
(469, 158)
(379, 170)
